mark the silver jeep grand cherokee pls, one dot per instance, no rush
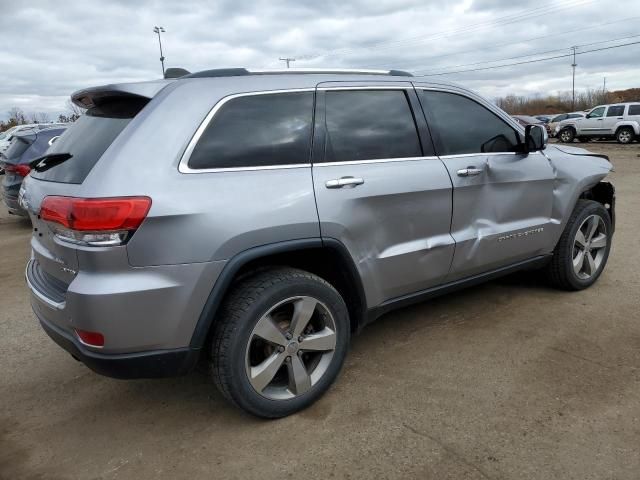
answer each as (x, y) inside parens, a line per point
(256, 220)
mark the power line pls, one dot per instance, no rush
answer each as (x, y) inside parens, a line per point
(537, 53)
(513, 18)
(528, 61)
(508, 44)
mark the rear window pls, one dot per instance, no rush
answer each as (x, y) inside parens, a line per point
(634, 109)
(88, 138)
(615, 111)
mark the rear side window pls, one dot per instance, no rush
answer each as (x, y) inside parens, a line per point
(88, 138)
(615, 111)
(634, 109)
(369, 125)
(257, 131)
(465, 126)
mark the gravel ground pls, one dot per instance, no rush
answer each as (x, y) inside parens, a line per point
(508, 380)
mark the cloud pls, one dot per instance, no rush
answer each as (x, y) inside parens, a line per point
(52, 49)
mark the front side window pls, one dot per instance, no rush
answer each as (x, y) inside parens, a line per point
(615, 111)
(634, 109)
(465, 126)
(369, 125)
(257, 130)
(596, 113)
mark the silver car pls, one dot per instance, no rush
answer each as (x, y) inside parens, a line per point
(256, 220)
(619, 121)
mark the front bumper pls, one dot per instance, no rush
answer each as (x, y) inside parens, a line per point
(151, 364)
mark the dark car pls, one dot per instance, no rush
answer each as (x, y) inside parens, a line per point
(25, 147)
(525, 120)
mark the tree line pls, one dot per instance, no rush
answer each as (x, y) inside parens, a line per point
(17, 116)
(563, 102)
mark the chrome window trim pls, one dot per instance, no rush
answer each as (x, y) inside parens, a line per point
(488, 154)
(376, 160)
(366, 87)
(183, 166)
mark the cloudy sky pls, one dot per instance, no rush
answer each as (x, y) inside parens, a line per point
(48, 49)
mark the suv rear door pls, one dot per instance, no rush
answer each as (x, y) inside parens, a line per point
(379, 188)
(614, 114)
(502, 200)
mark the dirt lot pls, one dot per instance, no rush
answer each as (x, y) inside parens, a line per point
(508, 380)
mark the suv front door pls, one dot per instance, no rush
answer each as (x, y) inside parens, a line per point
(593, 123)
(379, 189)
(502, 200)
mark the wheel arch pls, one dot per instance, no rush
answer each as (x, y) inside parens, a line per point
(605, 194)
(632, 125)
(327, 258)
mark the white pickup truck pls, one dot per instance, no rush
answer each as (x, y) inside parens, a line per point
(620, 121)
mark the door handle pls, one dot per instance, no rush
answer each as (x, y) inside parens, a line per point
(344, 182)
(600, 119)
(469, 172)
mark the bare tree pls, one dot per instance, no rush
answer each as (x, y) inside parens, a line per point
(40, 117)
(16, 116)
(74, 111)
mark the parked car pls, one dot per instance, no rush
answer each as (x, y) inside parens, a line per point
(8, 135)
(258, 219)
(620, 121)
(543, 118)
(25, 147)
(525, 120)
(563, 116)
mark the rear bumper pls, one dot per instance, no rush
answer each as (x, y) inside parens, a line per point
(14, 207)
(152, 364)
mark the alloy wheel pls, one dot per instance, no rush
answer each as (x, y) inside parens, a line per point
(589, 247)
(624, 136)
(565, 136)
(290, 348)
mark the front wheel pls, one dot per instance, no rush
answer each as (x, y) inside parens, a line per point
(566, 135)
(279, 342)
(583, 249)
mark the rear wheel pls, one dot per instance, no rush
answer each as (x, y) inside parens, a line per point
(280, 342)
(567, 135)
(583, 249)
(625, 135)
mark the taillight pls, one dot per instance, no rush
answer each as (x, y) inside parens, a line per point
(95, 221)
(22, 170)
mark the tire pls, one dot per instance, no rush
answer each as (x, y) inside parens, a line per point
(625, 135)
(561, 271)
(567, 135)
(584, 139)
(239, 347)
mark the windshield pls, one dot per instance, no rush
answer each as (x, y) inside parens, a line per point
(17, 147)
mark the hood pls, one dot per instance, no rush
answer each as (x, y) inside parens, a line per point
(595, 159)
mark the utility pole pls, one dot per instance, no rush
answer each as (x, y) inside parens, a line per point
(604, 89)
(288, 59)
(573, 81)
(158, 30)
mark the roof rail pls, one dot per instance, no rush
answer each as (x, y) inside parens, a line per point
(234, 72)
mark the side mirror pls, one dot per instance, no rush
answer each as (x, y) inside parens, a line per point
(535, 138)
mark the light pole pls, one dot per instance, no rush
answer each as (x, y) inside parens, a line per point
(158, 30)
(573, 81)
(287, 60)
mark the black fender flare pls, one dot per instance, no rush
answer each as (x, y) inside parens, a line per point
(235, 264)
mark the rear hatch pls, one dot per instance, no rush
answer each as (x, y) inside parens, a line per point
(59, 174)
(13, 162)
